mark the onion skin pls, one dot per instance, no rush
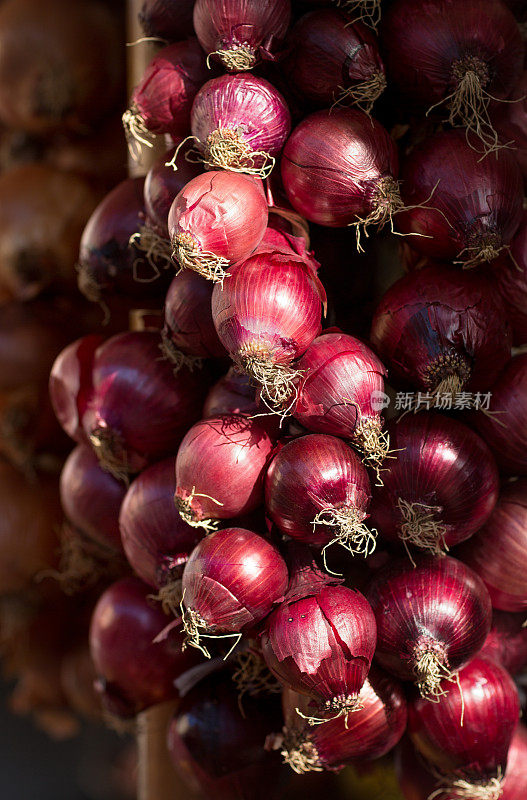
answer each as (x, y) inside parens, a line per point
(505, 433)
(52, 75)
(163, 98)
(422, 45)
(511, 122)
(155, 539)
(320, 641)
(134, 672)
(232, 394)
(333, 165)
(70, 384)
(497, 552)
(42, 214)
(189, 326)
(470, 207)
(510, 278)
(246, 105)
(255, 26)
(139, 410)
(507, 641)
(222, 215)
(437, 324)
(162, 184)
(232, 579)
(329, 56)
(370, 732)
(108, 263)
(226, 455)
(167, 19)
(440, 606)
(91, 498)
(312, 474)
(478, 749)
(444, 467)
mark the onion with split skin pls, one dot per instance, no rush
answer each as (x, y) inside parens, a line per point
(239, 33)
(431, 620)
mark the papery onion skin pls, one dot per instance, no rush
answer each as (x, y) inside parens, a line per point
(189, 327)
(256, 27)
(417, 783)
(163, 98)
(439, 606)
(167, 19)
(139, 410)
(369, 733)
(330, 58)
(310, 475)
(478, 749)
(162, 184)
(507, 641)
(506, 431)
(155, 539)
(320, 641)
(276, 240)
(269, 306)
(466, 208)
(91, 498)
(218, 215)
(108, 263)
(441, 468)
(232, 579)
(134, 672)
(340, 375)
(438, 325)
(220, 468)
(498, 551)
(423, 44)
(70, 384)
(247, 108)
(510, 278)
(334, 165)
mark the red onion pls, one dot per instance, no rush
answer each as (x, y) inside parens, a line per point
(466, 736)
(232, 394)
(280, 241)
(370, 732)
(108, 263)
(511, 122)
(340, 168)
(91, 498)
(155, 539)
(417, 783)
(189, 333)
(341, 391)
(317, 491)
(333, 61)
(166, 19)
(134, 671)
(442, 331)
(217, 746)
(217, 220)
(162, 183)
(455, 56)
(241, 32)
(460, 206)
(224, 455)
(70, 384)
(162, 100)
(320, 641)
(441, 486)
(498, 552)
(507, 641)
(505, 428)
(432, 618)
(241, 123)
(510, 278)
(139, 410)
(231, 581)
(266, 315)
